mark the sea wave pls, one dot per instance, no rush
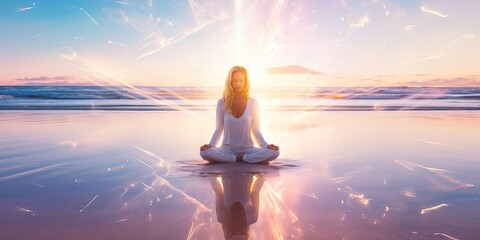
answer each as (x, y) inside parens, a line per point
(6, 97)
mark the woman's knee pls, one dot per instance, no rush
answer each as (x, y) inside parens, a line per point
(276, 154)
(214, 155)
(273, 154)
(205, 154)
(264, 155)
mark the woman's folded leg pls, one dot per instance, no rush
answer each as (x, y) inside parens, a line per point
(215, 154)
(259, 155)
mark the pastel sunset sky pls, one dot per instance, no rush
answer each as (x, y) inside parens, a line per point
(283, 43)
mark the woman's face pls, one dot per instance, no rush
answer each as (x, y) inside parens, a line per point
(238, 81)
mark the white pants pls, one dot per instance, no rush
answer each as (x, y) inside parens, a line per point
(229, 154)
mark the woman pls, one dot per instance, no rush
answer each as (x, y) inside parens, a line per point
(237, 202)
(237, 119)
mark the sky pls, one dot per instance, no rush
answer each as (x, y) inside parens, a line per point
(283, 43)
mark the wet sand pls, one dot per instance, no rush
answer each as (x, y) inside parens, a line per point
(340, 175)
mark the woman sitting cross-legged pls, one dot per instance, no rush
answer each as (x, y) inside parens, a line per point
(237, 118)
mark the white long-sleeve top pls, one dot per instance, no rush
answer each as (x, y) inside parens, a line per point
(241, 188)
(237, 132)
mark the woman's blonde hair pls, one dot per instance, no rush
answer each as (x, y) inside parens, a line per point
(229, 92)
(235, 224)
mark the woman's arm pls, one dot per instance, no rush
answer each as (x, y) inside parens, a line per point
(219, 124)
(255, 198)
(256, 126)
(219, 200)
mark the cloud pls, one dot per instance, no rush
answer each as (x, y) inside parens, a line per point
(446, 82)
(44, 78)
(292, 69)
(58, 83)
(62, 80)
(412, 80)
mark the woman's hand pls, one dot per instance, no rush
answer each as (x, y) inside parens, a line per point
(273, 147)
(205, 147)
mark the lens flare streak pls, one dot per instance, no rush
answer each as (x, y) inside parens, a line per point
(360, 197)
(164, 44)
(410, 27)
(149, 36)
(445, 235)
(41, 169)
(442, 173)
(147, 187)
(83, 10)
(161, 162)
(198, 204)
(123, 3)
(408, 193)
(144, 163)
(430, 209)
(428, 10)
(38, 34)
(88, 204)
(434, 143)
(348, 175)
(194, 229)
(26, 8)
(25, 210)
(38, 185)
(122, 220)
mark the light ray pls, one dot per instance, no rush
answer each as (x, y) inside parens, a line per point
(445, 235)
(148, 187)
(150, 4)
(361, 23)
(435, 143)
(149, 36)
(26, 8)
(107, 76)
(347, 176)
(427, 210)
(25, 210)
(72, 143)
(408, 193)
(81, 9)
(348, 46)
(182, 193)
(41, 169)
(410, 27)
(360, 197)
(193, 229)
(144, 163)
(38, 34)
(442, 173)
(161, 162)
(38, 185)
(194, 6)
(431, 11)
(164, 44)
(123, 3)
(126, 190)
(88, 204)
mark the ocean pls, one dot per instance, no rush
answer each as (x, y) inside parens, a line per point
(146, 98)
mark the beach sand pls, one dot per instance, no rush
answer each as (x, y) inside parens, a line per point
(340, 175)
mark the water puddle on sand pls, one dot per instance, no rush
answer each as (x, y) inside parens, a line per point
(353, 178)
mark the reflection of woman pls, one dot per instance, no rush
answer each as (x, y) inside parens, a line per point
(237, 119)
(237, 201)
